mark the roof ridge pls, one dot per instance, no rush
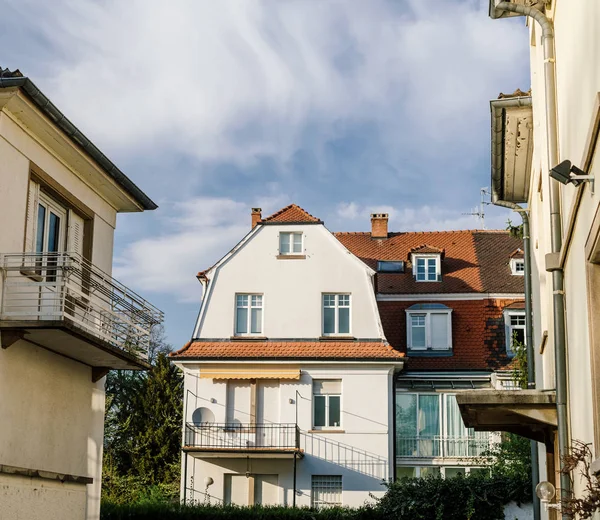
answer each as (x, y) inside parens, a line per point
(440, 232)
(293, 206)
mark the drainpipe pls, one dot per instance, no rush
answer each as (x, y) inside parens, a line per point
(535, 469)
(560, 355)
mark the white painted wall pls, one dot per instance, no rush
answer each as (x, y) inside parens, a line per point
(360, 452)
(292, 289)
(578, 82)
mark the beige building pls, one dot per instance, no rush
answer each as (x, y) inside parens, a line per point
(64, 321)
(532, 134)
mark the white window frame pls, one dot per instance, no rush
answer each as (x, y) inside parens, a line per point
(337, 307)
(292, 234)
(326, 426)
(438, 270)
(509, 328)
(427, 312)
(325, 480)
(514, 262)
(50, 205)
(249, 317)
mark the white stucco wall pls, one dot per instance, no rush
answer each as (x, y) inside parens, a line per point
(578, 83)
(292, 289)
(361, 452)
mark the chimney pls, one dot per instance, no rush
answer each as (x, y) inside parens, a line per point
(379, 225)
(256, 216)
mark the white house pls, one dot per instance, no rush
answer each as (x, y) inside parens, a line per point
(288, 378)
(64, 321)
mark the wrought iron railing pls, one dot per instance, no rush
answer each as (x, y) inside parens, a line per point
(66, 287)
(437, 446)
(238, 436)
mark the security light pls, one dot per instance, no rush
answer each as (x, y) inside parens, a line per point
(545, 491)
(562, 173)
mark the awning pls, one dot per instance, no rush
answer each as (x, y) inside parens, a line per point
(250, 373)
(529, 413)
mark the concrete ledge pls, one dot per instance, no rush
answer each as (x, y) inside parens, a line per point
(49, 475)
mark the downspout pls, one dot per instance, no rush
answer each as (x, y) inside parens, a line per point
(560, 355)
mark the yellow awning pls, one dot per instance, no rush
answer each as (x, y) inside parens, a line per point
(250, 373)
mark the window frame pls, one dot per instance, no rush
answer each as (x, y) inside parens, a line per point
(336, 314)
(249, 315)
(326, 427)
(415, 257)
(428, 312)
(513, 266)
(292, 234)
(50, 206)
(509, 328)
(313, 502)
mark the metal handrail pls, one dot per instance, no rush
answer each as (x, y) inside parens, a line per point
(67, 287)
(246, 436)
(442, 446)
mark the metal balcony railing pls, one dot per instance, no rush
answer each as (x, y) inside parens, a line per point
(66, 287)
(437, 446)
(238, 436)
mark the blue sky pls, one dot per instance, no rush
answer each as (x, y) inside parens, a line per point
(343, 107)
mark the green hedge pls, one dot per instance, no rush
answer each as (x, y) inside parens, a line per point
(472, 497)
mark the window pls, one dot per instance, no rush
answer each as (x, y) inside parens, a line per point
(517, 266)
(290, 243)
(248, 314)
(336, 314)
(515, 330)
(429, 327)
(327, 395)
(426, 268)
(326, 491)
(387, 266)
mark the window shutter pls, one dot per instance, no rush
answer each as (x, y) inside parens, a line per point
(75, 234)
(325, 387)
(439, 330)
(32, 201)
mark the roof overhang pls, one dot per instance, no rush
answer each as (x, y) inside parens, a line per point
(512, 148)
(133, 198)
(529, 413)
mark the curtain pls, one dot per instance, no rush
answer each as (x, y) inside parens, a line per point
(429, 425)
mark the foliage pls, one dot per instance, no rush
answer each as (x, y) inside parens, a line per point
(142, 430)
(514, 231)
(520, 375)
(580, 456)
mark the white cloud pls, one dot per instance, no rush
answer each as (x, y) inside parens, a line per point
(235, 79)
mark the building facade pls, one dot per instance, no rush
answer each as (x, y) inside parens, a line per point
(64, 321)
(324, 364)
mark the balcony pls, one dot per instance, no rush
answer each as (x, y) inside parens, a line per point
(63, 303)
(237, 440)
(442, 447)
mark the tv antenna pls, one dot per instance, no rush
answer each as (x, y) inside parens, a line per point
(479, 212)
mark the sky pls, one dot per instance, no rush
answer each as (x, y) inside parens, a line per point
(212, 107)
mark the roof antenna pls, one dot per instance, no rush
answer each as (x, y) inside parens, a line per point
(480, 211)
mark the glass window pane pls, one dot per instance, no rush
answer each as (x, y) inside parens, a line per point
(344, 300)
(284, 243)
(53, 233)
(344, 320)
(256, 318)
(297, 242)
(329, 300)
(334, 410)
(256, 300)
(406, 415)
(417, 331)
(427, 471)
(319, 411)
(429, 415)
(431, 269)
(406, 472)
(439, 330)
(454, 472)
(329, 320)
(241, 320)
(242, 300)
(518, 336)
(41, 221)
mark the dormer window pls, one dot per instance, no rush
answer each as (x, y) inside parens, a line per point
(390, 266)
(517, 266)
(426, 268)
(290, 243)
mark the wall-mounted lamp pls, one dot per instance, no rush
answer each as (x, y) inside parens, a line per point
(213, 400)
(562, 173)
(291, 401)
(545, 491)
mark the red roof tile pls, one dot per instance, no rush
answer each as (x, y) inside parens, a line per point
(425, 248)
(309, 349)
(292, 214)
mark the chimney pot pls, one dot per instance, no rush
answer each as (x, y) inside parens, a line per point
(379, 225)
(256, 216)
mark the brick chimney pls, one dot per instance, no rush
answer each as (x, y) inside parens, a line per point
(256, 216)
(379, 225)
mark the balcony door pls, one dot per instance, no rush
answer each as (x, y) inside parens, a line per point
(268, 431)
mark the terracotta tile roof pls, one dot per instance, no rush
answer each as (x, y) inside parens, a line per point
(6, 73)
(516, 93)
(474, 261)
(287, 349)
(292, 214)
(425, 248)
(517, 253)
